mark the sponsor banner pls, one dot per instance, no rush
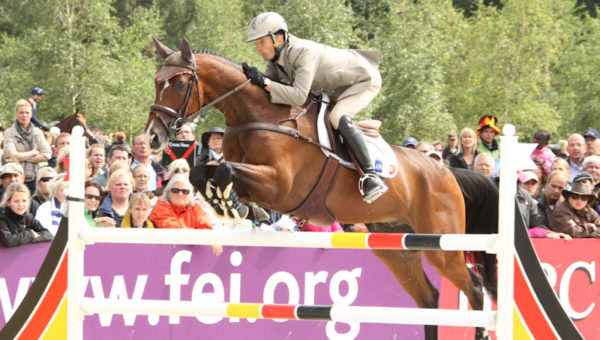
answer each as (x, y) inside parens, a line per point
(275, 275)
(570, 267)
(240, 274)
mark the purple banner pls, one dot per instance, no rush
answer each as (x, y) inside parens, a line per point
(240, 274)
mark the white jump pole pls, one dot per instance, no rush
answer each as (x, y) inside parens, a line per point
(75, 246)
(448, 242)
(341, 313)
(506, 233)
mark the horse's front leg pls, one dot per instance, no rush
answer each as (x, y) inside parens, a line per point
(219, 192)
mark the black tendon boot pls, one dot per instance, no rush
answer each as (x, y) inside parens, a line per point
(370, 186)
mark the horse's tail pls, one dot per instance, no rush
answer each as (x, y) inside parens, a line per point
(481, 204)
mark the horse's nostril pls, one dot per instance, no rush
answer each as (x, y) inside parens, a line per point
(154, 141)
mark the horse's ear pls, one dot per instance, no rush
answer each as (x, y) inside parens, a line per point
(163, 50)
(186, 51)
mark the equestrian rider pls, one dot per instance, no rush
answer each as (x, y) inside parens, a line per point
(36, 97)
(297, 66)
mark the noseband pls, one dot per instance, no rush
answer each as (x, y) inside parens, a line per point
(180, 116)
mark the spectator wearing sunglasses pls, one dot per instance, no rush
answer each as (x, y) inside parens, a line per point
(49, 213)
(177, 208)
(43, 178)
(92, 199)
(177, 167)
(574, 216)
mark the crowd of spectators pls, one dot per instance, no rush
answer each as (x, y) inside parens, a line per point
(129, 187)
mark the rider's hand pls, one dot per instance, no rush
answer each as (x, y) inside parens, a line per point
(255, 76)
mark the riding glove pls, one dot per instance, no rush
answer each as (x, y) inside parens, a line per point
(255, 76)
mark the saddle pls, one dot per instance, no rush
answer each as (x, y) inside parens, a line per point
(337, 153)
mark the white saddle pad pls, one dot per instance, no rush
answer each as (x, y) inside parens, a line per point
(383, 157)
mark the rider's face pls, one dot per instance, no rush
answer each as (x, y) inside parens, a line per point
(264, 47)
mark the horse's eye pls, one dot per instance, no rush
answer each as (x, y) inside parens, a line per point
(180, 85)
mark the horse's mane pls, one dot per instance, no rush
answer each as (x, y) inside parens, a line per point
(217, 55)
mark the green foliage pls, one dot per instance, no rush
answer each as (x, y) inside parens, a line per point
(444, 63)
(414, 48)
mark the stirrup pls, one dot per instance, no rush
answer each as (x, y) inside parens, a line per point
(375, 194)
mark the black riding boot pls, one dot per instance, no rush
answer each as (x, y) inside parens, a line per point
(370, 186)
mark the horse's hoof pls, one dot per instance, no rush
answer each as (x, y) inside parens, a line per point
(481, 334)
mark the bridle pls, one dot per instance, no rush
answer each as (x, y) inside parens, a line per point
(180, 116)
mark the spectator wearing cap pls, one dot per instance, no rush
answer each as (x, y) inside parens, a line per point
(452, 147)
(142, 156)
(585, 178)
(467, 150)
(13, 173)
(576, 148)
(592, 141)
(410, 142)
(26, 143)
(534, 220)
(574, 216)
(528, 181)
(591, 165)
(10, 173)
(487, 132)
(36, 96)
(550, 195)
(542, 137)
(212, 144)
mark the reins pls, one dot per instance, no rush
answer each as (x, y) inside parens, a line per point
(180, 116)
(277, 127)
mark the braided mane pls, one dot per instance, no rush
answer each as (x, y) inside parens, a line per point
(217, 55)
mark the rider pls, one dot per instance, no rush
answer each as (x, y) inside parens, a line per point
(298, 66)
(36, 97)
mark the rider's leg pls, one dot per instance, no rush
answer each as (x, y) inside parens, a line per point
(371, 185)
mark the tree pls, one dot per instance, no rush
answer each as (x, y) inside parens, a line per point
(84, 60)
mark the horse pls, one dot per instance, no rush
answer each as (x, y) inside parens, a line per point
(68, 123)
(272, 159)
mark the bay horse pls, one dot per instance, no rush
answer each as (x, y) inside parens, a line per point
(277, 169)
(78, 118)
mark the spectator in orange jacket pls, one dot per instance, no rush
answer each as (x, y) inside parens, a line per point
(177, 208)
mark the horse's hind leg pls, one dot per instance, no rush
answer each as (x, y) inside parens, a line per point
(408, 270)
(451, 265)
